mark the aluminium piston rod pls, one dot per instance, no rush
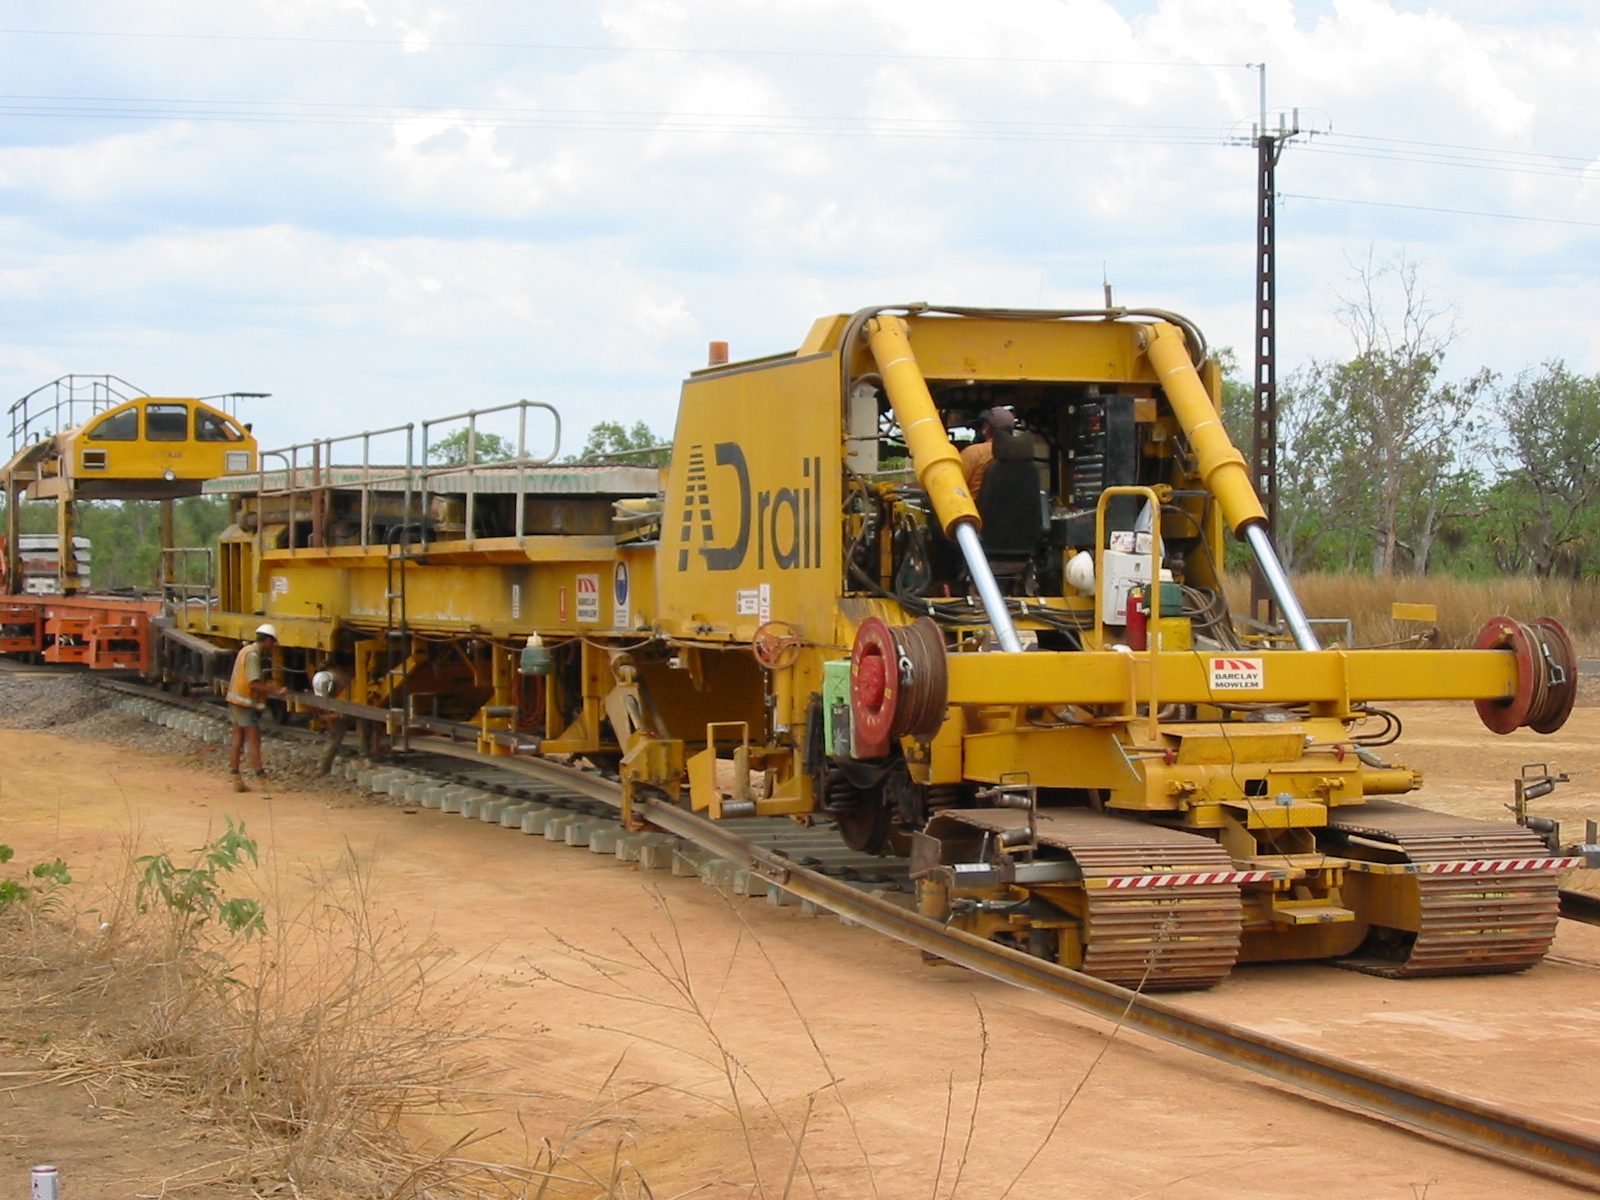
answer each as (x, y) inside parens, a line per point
(938, 464)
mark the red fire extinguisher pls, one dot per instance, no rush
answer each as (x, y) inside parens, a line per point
(1138, 617)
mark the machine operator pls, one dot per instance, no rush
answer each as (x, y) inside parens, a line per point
(975, 459)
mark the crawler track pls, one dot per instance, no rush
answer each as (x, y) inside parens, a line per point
(1489, 921)
(1182, 934)
(1520, 1140)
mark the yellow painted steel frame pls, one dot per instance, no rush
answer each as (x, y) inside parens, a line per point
(1330, 680)
(751, 533)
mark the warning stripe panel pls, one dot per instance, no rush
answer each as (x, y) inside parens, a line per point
(1181, 879)
(1484, 866)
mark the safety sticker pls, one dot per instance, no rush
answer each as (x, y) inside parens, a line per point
(747, 602)
(621, 611)
(589, 599)
(1236, 674)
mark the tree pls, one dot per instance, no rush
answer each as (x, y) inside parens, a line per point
(1311, 486)
(611, 439)
(1551, 457)
(1393, 448)
(451, 451)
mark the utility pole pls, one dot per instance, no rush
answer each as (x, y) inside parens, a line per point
(1264, 424)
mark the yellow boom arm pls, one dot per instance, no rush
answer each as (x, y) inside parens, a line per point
(1223, 468)
(1221, 465)
(937, 464)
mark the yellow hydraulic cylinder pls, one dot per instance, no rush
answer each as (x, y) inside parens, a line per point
(938, 465)
(937, 462)
(1221, 465)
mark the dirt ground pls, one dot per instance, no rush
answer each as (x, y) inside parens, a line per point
(907, 1079)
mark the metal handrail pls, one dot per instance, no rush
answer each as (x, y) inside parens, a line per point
(321, 451)
(104, 392)
(317, 458)
(521, 460)
(178, 585)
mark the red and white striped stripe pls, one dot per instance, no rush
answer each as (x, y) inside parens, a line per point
(1182, 879)
(1489, 866)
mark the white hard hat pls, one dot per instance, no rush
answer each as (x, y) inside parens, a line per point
(323, 683)
(268, 630)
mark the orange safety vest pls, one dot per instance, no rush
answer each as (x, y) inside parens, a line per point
(239, 685)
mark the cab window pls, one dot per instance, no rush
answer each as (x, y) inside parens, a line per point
(214, 427)
(118, 427)
(166, 422)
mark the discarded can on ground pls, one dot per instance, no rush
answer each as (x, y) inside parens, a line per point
(46, 1183)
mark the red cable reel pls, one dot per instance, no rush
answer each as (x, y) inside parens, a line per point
(899, 684)
(1547, 675)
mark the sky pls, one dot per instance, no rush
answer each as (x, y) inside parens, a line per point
(381, 211)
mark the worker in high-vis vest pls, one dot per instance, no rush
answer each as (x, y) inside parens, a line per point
(248, 690)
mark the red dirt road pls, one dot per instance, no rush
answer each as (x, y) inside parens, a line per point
(903, 1040)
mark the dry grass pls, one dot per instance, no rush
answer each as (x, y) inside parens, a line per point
(305, 1048)
(795, 1129)
(1464, 604)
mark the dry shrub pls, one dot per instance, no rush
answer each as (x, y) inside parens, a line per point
(306, 1045)
(1465, 605)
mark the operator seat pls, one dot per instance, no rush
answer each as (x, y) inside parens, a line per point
(1011, 506)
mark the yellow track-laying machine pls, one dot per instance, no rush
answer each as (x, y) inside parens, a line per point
(1014, 665)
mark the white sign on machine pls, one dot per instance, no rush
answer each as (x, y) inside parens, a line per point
(1237, 674)
(588, 599)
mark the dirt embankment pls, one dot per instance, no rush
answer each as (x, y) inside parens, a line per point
(703, 1042)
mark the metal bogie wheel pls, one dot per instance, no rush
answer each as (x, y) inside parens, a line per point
(905, 798)
(864, 820)
(865, 828)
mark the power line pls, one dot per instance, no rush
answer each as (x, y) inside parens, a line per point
(1459, 212)
(133, 108)
(1557, 170)
(631, 120)
(578, 47)
(1535, 154)
(626, 120)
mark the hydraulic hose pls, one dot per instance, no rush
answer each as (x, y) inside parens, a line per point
(1222, 467)
(937, 463)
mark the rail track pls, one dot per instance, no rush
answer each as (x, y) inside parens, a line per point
(789, 864)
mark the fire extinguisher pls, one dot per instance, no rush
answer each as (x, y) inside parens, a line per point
(1138, 617)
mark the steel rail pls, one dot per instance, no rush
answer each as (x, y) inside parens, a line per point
(1578, 906)
(1519, 1140)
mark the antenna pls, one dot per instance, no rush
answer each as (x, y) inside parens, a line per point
(1105, 282)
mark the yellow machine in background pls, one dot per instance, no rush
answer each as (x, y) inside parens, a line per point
(86, 438)
(99, 438)
(1033, 689)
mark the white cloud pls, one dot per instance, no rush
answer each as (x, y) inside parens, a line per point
(584, 251)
